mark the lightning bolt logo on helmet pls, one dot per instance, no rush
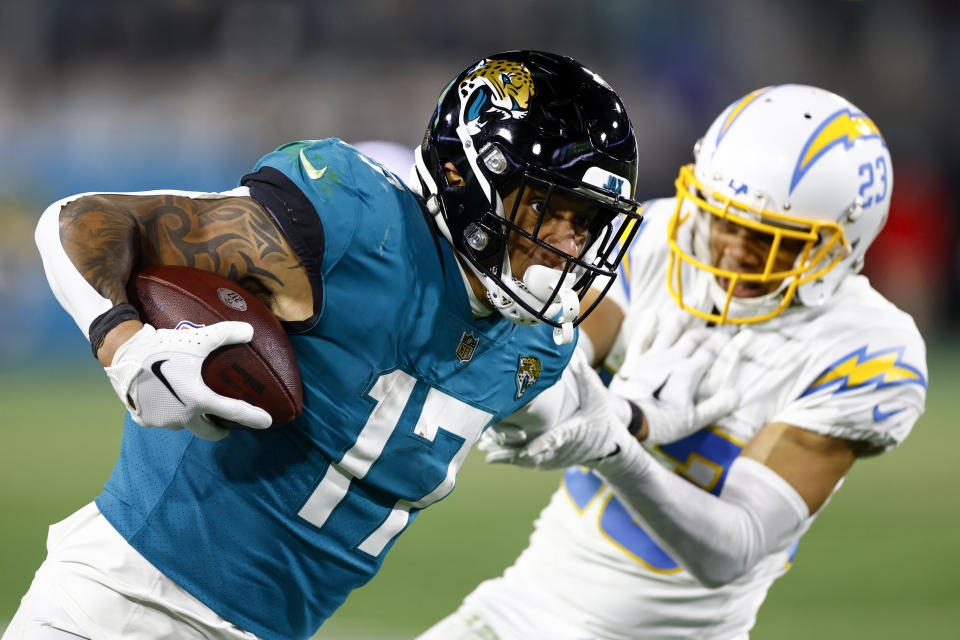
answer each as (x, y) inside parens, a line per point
(736, 110)
(843, 127)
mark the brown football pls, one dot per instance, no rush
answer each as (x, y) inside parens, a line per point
(262, 372)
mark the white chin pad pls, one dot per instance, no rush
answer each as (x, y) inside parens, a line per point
(570, 309)
(542, 281)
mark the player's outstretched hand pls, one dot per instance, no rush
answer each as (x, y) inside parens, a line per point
(157, 375)
(502, 442)
(594, 436)
(664, 366)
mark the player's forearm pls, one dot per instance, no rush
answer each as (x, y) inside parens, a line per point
(88, 249)
(100, 238)
(91, 243)
(715, 538)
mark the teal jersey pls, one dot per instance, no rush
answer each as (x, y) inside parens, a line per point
(273, 529)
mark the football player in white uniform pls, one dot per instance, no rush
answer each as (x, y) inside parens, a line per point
(760, 366)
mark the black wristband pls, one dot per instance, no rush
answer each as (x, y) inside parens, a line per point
(103, 323)
(636, 419)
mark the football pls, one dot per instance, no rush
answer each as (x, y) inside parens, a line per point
(262, 372)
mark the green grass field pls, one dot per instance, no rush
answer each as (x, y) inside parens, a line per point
(881, 562)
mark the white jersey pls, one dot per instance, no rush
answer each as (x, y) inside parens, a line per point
(854, 368)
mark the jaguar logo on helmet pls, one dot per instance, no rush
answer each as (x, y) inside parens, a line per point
(495, 90)
(528, 372)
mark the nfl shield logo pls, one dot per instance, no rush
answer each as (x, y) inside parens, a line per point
(468, 344)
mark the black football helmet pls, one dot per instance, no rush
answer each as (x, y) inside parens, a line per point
(529, 119)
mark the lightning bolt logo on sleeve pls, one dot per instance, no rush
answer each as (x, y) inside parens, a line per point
(884, 368)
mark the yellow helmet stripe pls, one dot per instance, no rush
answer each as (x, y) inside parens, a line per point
(737, 109)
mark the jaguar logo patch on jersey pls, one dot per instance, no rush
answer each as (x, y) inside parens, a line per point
(468, 344)
(528, 372)
(495, 90)
(884, 368)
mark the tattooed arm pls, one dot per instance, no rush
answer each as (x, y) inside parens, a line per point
(106, 237)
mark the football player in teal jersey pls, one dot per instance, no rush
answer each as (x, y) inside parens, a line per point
(418, 318)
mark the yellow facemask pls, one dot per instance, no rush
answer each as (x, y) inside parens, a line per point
(823, 246)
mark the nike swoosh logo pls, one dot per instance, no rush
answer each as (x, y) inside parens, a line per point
(313, 173)
(879, 416)
(609, 455)
(155, 367)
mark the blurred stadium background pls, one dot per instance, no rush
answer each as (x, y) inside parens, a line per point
(107, 95)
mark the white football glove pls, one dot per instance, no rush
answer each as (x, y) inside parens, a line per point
(156, 373)
(548, 408)
(662, 371)
(503, 440)
(594, 436)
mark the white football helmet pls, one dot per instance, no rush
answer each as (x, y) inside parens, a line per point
(792, 162)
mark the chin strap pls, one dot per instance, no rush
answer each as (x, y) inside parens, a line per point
(538, 285)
